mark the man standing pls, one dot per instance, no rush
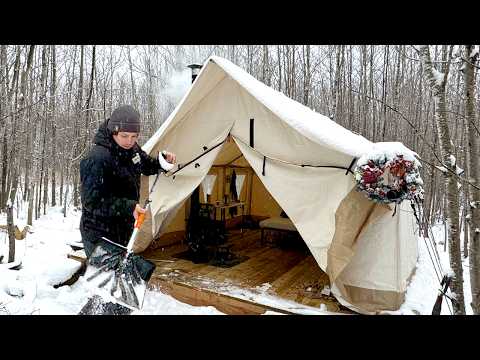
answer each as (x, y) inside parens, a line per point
(110, 179)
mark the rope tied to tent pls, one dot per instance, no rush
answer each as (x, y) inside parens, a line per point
(349, 169)
(425, 230)
(206, 151)
(437, 307)
(394, 210)
(265, 157)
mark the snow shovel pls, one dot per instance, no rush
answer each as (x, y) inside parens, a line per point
(117, 273)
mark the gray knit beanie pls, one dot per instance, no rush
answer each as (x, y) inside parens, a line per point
(124, 118)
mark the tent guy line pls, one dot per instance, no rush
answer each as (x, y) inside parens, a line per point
(349, 169)
(181, 167)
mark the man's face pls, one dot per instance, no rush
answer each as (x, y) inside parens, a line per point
(125, 139)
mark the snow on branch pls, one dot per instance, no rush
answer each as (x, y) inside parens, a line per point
(439, 76)
(442, 169)
(453, 160)
(474, 52)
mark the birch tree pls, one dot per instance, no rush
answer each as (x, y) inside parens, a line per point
(437, 82)
(470, 59)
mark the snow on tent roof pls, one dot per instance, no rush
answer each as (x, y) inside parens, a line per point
(309, 123)
(306, 121)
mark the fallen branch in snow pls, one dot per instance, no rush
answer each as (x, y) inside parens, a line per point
(3, 309)
(37, 310)
(14, 265)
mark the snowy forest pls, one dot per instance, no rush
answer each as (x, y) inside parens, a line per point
(54, 97)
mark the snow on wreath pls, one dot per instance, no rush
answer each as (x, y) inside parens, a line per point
(389, 174)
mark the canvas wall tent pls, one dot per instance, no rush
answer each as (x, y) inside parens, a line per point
(368, 254)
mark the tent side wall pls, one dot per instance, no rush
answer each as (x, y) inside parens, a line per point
(373, 254)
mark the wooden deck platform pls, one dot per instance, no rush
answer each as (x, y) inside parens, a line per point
(281, 277)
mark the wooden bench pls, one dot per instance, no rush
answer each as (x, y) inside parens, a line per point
(78, 255)
(276, 224)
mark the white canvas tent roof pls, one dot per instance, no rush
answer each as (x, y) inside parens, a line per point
(368, 253)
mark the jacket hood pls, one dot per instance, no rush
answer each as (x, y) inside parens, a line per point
(103, 136)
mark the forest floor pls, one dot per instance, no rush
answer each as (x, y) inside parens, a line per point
(44, 263)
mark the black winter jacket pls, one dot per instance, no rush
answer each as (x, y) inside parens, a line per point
(110, 187)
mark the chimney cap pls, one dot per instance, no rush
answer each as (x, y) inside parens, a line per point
(194, 66)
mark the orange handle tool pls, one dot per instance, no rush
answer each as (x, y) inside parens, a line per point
(139, 221)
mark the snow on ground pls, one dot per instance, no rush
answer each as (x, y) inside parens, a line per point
(43, 255)
(423, 289)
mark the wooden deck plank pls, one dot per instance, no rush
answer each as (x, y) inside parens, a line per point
(224, 303)
(290, 273)
(307, 275)
(274, 269)
(248, 269)
(288, 279)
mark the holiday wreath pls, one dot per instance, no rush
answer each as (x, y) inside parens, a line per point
(389, 177)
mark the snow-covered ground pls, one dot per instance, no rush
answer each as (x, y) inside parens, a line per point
(423, 289)
(43, 255)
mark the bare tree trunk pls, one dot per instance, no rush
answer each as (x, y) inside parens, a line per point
(364, 91)
(384, 90)
(89, 99)
(132, 82)
(43, 185)
(5, 163)
(474, 173)
(3, 111)
(11, 233)
(351, 104)
(279, 69)
(437, 82)
(61, 185)
(53, 90)
(3, 193)
(396, 90)
(336, 85)
(467, 228)
(372, 94)
(67, 187)
(306, 74)
(77, 131)
(266, 73)
(31, 193)
(19, 104)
